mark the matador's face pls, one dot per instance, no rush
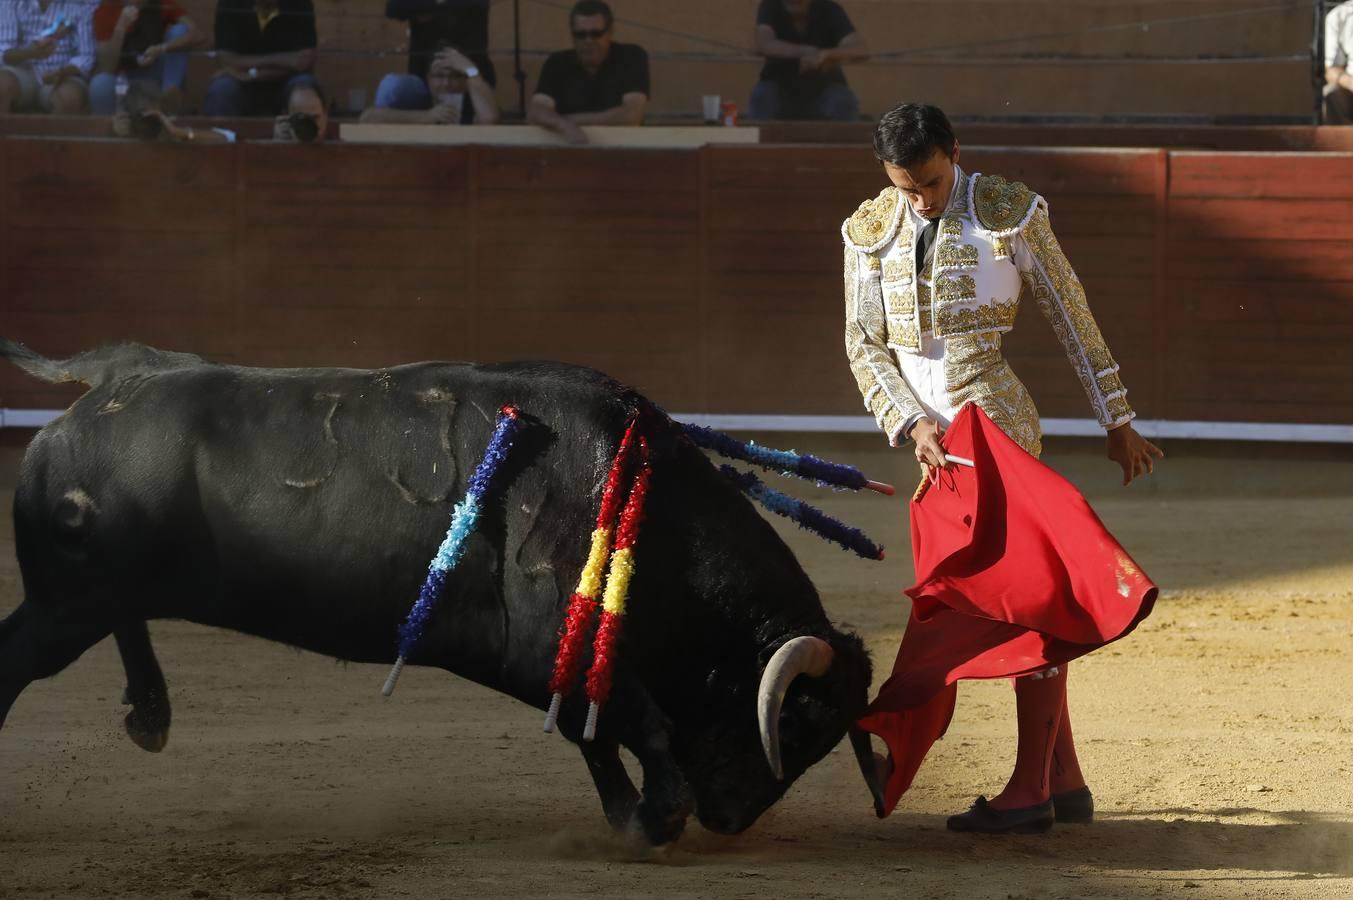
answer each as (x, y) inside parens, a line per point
(926, 185)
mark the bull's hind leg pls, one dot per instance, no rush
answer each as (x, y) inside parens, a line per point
(37, 642)
(148, 722)
(618, 795)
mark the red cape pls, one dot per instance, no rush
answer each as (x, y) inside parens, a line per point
(1015, 573)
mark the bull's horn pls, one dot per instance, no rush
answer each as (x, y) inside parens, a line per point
(872, 766)
(803, 655)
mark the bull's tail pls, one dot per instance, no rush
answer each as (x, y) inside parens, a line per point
(37, 365)
(94, 367)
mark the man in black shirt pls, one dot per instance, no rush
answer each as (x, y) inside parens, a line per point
(598, 82)
(433, 26)
(804, 43)
(266, 49)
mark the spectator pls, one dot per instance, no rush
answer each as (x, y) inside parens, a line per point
(141, 116)
(434, 25)
(266, 49)
(458, 94)
(306, 119)
(804, 43)
(598, 82)
(1338, 74)
(142, 40)
(46, 53)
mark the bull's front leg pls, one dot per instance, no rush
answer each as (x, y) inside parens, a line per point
(148, 722)
(618, 795)
(641, 726)
(666, 801)
(658, 813)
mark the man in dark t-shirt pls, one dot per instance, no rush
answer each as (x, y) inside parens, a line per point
(804, 43)
(598, 82)
(266, 49)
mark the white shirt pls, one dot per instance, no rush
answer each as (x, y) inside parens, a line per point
(22, 21)
(1339, 35)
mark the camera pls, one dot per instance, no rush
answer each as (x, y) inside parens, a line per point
(147, 126)
(304, 126)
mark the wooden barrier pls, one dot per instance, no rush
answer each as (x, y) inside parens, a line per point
(708, 278)
(666, 137)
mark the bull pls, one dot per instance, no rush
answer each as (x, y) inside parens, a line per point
(303, 506)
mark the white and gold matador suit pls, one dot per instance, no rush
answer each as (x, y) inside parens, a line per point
(925, 343)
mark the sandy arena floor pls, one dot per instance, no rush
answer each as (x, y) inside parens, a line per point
(1218, 740)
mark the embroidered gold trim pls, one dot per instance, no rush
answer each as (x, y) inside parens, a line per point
(1061, 298)
(1000, 248)
(956, 256)
(968, 356)
(866, 335)
(988, 317)
(896, 269)
(873, 263)
(899, 303)
(956, 289)
(868, 224)
(951, 225)
(1109, 382)
(1005, 400)
(903, 332)
(1119, 409)
(1001, 205)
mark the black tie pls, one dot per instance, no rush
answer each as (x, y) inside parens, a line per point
(925, 247)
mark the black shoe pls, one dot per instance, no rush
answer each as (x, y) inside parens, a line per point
(983, 819)
(1074, 807)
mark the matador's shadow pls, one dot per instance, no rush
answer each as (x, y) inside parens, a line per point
(1301, 845)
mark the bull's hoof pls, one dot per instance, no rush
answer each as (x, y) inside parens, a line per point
(658, 827)
(148, 738)
(643, 835)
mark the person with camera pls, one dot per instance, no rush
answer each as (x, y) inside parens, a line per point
(266, 49)
(306, 120)
(141, 40)
(46, 53)
(458, 94)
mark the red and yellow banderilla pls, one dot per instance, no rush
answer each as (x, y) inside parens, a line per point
(583, 604)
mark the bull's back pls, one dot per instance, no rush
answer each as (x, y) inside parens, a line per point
(305, 505)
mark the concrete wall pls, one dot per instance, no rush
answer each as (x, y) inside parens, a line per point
(974, 57)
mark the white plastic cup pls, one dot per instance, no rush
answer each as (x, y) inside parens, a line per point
(455, 102)
(712, 105)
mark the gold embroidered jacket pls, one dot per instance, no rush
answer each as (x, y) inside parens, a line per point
(995, 245)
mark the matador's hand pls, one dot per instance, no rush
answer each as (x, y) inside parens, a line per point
(929, 451)
(1133, 452)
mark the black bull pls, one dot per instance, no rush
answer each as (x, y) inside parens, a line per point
(304, 505)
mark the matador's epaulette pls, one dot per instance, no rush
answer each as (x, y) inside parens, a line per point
(1003, 207)
(874, 223)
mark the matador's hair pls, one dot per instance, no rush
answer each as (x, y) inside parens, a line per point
(910, 133)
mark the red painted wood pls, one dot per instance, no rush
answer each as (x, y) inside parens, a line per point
(710, 279)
